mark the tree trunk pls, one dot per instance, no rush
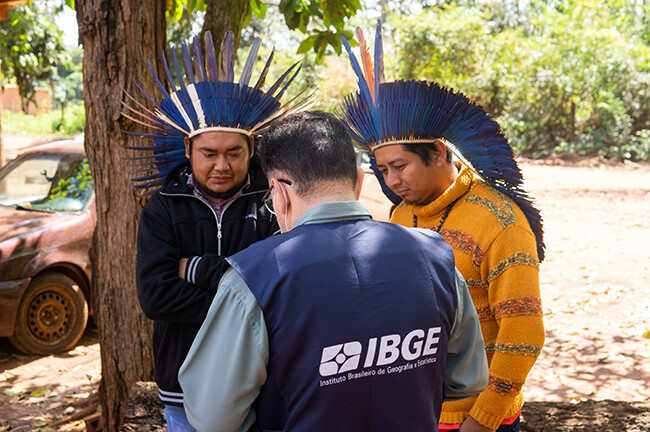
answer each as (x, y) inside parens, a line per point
(224, 15)
(2, 155)
(572, 123)
(118, 36)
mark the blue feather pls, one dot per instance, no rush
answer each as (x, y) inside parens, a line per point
(262, 78)
(199, 65)
(172, 84)
(379, 59)
(179, 74)
(356, 67)
(227, 59)
(211, 57)
(247, 71)
(187, 64)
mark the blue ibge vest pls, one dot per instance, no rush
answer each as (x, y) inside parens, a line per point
(358, 314)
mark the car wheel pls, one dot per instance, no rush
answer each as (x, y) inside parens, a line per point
(51, 317)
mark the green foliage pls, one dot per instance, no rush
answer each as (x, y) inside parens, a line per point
(328, 17)
(569, 78)
(76, 187)
(71, 121)
(323, 21)
(183, 22)
(31, 46)
(68, 83)
(52, 122)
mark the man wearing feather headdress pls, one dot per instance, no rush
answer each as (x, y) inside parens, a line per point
(478, 205)
(209, 202)
(321, 328)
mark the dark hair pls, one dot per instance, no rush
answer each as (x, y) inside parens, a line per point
(424, 151)
(311, 147)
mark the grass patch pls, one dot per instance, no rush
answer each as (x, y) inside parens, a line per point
(73, 122)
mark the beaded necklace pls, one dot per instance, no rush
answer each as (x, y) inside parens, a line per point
(442, 219)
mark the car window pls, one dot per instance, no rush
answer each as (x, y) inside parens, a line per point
(56, 182)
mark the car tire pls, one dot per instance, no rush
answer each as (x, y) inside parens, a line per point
(52, 315)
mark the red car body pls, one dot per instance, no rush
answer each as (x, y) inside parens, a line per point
(45, 241)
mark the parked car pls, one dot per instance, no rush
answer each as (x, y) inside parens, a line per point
(47, 218)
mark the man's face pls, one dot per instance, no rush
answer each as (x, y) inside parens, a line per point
(219, 162)
(408, 176)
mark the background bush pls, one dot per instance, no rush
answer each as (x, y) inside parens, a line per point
(568, 79)
(71, 123)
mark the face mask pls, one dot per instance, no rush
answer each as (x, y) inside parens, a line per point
(286, 207)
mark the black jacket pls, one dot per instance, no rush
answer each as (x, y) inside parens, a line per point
(177, 224)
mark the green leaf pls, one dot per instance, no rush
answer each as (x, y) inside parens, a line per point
(315, 10)
(178, 12)
(320, 39)
(334, 41)
(247, 19)
(175, 9)
(307, 44)
(70, 3)
(348, 34)
(258, 8)
(320, 55)
(304, 21)
(42, 391)
(287, 9)
(294, 22)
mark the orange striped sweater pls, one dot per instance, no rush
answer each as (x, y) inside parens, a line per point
(495, 251)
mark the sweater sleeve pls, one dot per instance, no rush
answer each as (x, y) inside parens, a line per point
(511, 269)
(162, 294)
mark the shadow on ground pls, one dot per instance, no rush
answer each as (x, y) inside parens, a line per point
(36, 392)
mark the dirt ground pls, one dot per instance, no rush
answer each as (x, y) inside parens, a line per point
(595, 291)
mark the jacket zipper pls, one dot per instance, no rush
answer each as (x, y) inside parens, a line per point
(216, 218)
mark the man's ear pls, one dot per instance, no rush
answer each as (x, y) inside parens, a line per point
(188, 143)
(281, 200)
(361, 175)
(439, 153)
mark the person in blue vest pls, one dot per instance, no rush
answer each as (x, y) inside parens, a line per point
(340, 323)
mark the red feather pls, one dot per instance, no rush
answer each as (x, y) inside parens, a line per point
(367, 63)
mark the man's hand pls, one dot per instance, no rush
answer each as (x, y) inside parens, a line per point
(181, 268)
(471, 425)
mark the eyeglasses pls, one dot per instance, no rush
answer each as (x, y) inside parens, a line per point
(267, 199)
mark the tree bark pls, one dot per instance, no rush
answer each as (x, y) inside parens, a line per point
(224, 15)
(118, 36)
(2, 156)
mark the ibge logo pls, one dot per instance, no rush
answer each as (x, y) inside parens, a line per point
(345, 357)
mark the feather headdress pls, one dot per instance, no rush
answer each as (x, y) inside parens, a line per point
(207, 100)
(410, 112)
